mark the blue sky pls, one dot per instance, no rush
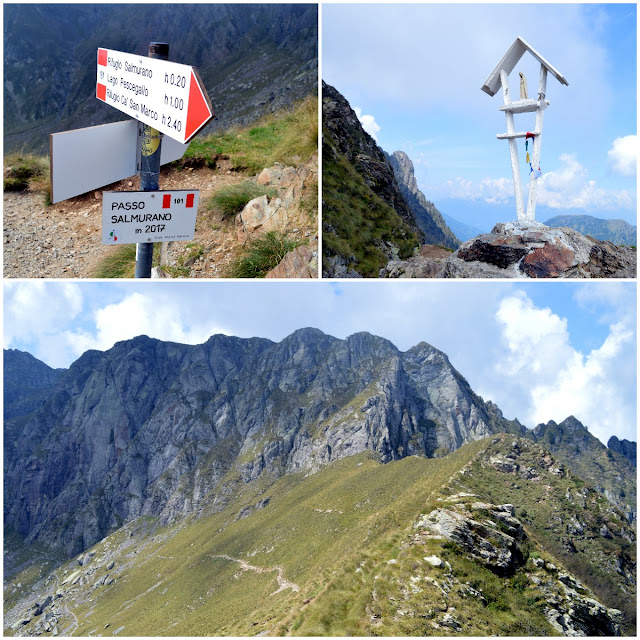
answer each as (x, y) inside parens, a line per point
(539, 351)
(416, 70)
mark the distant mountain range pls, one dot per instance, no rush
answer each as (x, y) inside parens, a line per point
(617, 231)
(314, 474)
(253, 59)
(463, 231)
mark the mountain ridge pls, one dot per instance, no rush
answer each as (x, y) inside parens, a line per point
(162, 423)
(133, 420)
(619, 232)
(426, 214)
(327, 477)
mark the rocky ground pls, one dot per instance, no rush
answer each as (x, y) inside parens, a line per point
(515, 250)
(492, 535)
(64, 240)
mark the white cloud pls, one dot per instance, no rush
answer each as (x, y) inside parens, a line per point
(34, 311)
(552, 379)
(623, 155)
(569, 187)
(368, 123)
(493, 191)
(156, 316)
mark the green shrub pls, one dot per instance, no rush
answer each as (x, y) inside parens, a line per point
(15, 184)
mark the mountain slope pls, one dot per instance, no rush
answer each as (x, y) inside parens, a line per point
(619, 232)
(358, 548)
(366, 219)
(26, 381)
(150, 428)
(253, 59)
(611, 473)
(427, 216)
(624, 448)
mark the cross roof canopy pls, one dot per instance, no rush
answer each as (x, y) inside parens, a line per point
(510, 60)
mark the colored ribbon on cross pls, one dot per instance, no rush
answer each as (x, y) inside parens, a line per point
(537, 172)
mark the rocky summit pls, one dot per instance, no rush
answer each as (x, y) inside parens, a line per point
(350, 488)
(533, 250)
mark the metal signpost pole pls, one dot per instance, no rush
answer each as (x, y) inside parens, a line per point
(150, 169)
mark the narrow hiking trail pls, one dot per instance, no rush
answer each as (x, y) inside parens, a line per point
(280, 579)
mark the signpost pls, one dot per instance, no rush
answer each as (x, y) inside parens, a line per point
(167, 98)
(165, 95)
(153, 216)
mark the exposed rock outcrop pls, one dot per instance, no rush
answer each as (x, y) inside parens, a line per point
(624, 447)
(427, 216)
(284, 211)
(429, 263)
(533, 250)
(488, 533)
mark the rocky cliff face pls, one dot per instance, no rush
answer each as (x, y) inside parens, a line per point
(624, 448)
(366, 218)
(152, 428)
(26, 382)
(427, 216)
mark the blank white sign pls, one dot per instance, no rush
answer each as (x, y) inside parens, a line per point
(85, 159)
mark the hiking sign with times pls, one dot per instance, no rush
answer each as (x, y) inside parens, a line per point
(165, 95)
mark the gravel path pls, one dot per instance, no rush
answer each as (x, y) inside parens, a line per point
(64, 239)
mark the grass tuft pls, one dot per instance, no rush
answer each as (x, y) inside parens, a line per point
(289, 137)
(23, 170)
(121, 262)
(262, 254)
(232, 199)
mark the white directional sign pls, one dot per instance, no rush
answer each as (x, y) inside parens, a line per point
(165, 95)
(148, 216)
(85, 159)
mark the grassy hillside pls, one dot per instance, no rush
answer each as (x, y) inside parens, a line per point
(333, 553)
(356, 221)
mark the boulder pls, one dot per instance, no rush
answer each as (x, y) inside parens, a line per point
(302, 262)
(429, 263)
(533, 250)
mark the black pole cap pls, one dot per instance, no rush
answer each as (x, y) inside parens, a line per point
(159, 50)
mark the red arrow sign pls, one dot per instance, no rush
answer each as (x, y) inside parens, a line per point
(199, 111)
(169, 97)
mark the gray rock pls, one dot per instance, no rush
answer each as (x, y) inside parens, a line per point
(482, 541)
(533, 250)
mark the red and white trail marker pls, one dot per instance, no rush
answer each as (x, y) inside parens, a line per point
(165, 95)
(148, 216)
